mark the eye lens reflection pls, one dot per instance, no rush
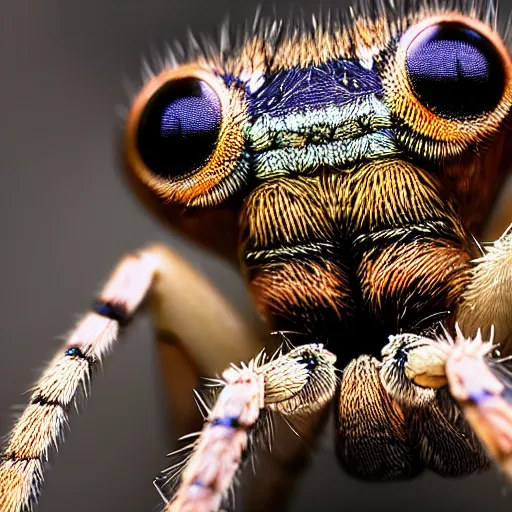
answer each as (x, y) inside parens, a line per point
(455, 71)
(179, 128)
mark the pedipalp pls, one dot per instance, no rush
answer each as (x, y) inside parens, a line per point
(301, 381)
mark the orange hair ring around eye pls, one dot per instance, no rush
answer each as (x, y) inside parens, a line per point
(456, 134)
(211, 182)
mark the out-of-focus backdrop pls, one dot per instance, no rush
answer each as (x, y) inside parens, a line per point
(67, 217)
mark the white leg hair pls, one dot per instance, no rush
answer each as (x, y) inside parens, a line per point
(155, 271)
(487, 300)
(484, 388)
(66, 378)
(298, 382)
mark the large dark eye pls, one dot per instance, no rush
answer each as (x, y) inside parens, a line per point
(455, 71)
(179, 128)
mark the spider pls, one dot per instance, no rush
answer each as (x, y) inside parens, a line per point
(351, 165)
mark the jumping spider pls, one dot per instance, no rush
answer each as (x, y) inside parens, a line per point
(351, 165)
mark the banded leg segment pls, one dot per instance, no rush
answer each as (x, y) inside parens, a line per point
(483, 388)
(187, 309)
(297, 383)
(66, 379)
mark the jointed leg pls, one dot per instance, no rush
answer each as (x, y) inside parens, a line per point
(487, 301)
(283, 457)
(188, 308)
(300, 382)
(480, 384)
(414, 368)
(156, 272)
(413, 372)
(41, 425)
(483, 389)
(199, 334)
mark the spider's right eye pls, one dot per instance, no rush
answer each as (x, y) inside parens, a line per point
(455, 71)
(179, 128)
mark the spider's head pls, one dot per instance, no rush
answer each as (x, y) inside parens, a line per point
(433, 87)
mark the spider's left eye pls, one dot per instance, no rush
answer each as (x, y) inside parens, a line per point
(184, 139)
(179, 127)
(455, 71)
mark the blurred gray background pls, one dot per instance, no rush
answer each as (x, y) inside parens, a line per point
(67, 217)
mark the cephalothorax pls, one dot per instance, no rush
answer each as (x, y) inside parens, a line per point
(353, 165)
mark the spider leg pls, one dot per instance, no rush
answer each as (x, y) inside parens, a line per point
(413, 373)
(281, 461)
(199, 333)
(66, 379)
(296, 383)
(483, 388)
(487, 300)
(41, 425)
(416, 371)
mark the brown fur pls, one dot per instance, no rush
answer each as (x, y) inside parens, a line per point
(283, 289)
(284, 212)
(411, 279)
